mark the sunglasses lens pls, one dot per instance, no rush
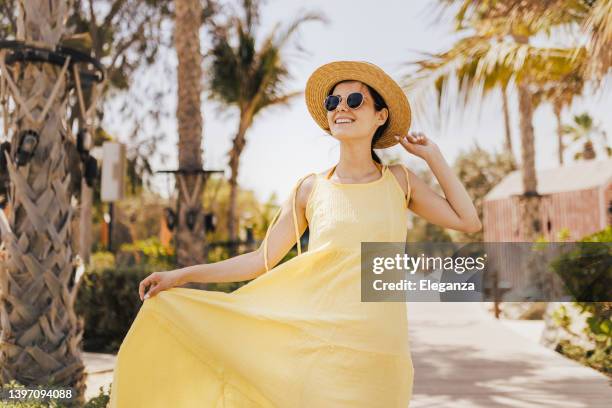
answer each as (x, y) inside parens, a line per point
(331, 102)
(354, 100)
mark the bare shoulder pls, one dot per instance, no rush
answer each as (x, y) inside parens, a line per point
(400, 175)
(305, 188)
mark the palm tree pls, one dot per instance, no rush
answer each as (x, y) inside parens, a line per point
(486, 60)
(598, 25)
(250, 79)
(500, 52)
(561, 95)
(593, 17)
(523, 18)
(466, 63)
(41, 334)
(584, 131)
(189, 241)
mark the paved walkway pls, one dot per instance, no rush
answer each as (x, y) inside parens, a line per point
(99, 369)
(464, 358)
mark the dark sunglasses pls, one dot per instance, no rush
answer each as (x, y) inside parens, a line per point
(353, 101)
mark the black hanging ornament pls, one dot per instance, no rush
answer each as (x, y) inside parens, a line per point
(84, 142)
(170, 217)
(4, 175)
(190, 218)
(4, 147)
(250, 237)
(91, 169)
(210, 222)
(28, 140)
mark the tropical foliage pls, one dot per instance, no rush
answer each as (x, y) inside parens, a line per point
(480, 171)
(249, 76)
(586, 132)
(495, 51)
(578, 268)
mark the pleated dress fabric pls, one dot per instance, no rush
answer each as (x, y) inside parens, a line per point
(296, 336)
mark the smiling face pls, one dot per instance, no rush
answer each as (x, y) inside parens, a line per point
(351, 124)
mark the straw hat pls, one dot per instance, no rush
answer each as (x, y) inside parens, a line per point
(325, 77)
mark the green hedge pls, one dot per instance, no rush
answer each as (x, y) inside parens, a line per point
(108, 301)
(578, 269)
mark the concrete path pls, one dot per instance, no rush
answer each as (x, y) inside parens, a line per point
(464, 358)
(99, 368)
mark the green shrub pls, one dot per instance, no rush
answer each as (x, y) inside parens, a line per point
(581, 266)
(149, 251)
(108, 301)
(102, 260)
(99, 401)
(585, 270)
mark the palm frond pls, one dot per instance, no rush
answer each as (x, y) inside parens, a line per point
(277, 100)
(599, 26)
(251, 75)
(225, 67)
(294, 25)
(479, 64)
(526, 17)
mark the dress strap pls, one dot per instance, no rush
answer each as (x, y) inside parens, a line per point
(295, 223)
(408, 184)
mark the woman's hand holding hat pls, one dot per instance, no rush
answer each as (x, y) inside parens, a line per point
(418, 144)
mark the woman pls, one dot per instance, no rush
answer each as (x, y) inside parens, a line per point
(298, 335)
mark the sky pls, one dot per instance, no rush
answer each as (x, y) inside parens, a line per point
(285, 144)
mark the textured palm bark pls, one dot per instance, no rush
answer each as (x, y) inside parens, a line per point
(560, 147)
(41, 334)
(507, 132)
(189, 242)
(530, 200)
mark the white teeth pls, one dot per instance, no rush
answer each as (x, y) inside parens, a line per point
(344, 120)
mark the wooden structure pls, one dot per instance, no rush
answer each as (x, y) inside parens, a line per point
(577, 196)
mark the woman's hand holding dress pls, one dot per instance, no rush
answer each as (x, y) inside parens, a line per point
(159, 281)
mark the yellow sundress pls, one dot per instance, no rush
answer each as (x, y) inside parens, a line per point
(296, 336)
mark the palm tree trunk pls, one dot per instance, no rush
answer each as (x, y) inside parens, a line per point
(237, 147)
(189, 241)
(561, 147)
(84, 231)
(530, 200)
(588, 151)
(41, 334)
(85, 222)
(508, 133)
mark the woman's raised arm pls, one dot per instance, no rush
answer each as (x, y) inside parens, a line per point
(455, 210)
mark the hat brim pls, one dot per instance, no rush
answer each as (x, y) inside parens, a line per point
(325, 77)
